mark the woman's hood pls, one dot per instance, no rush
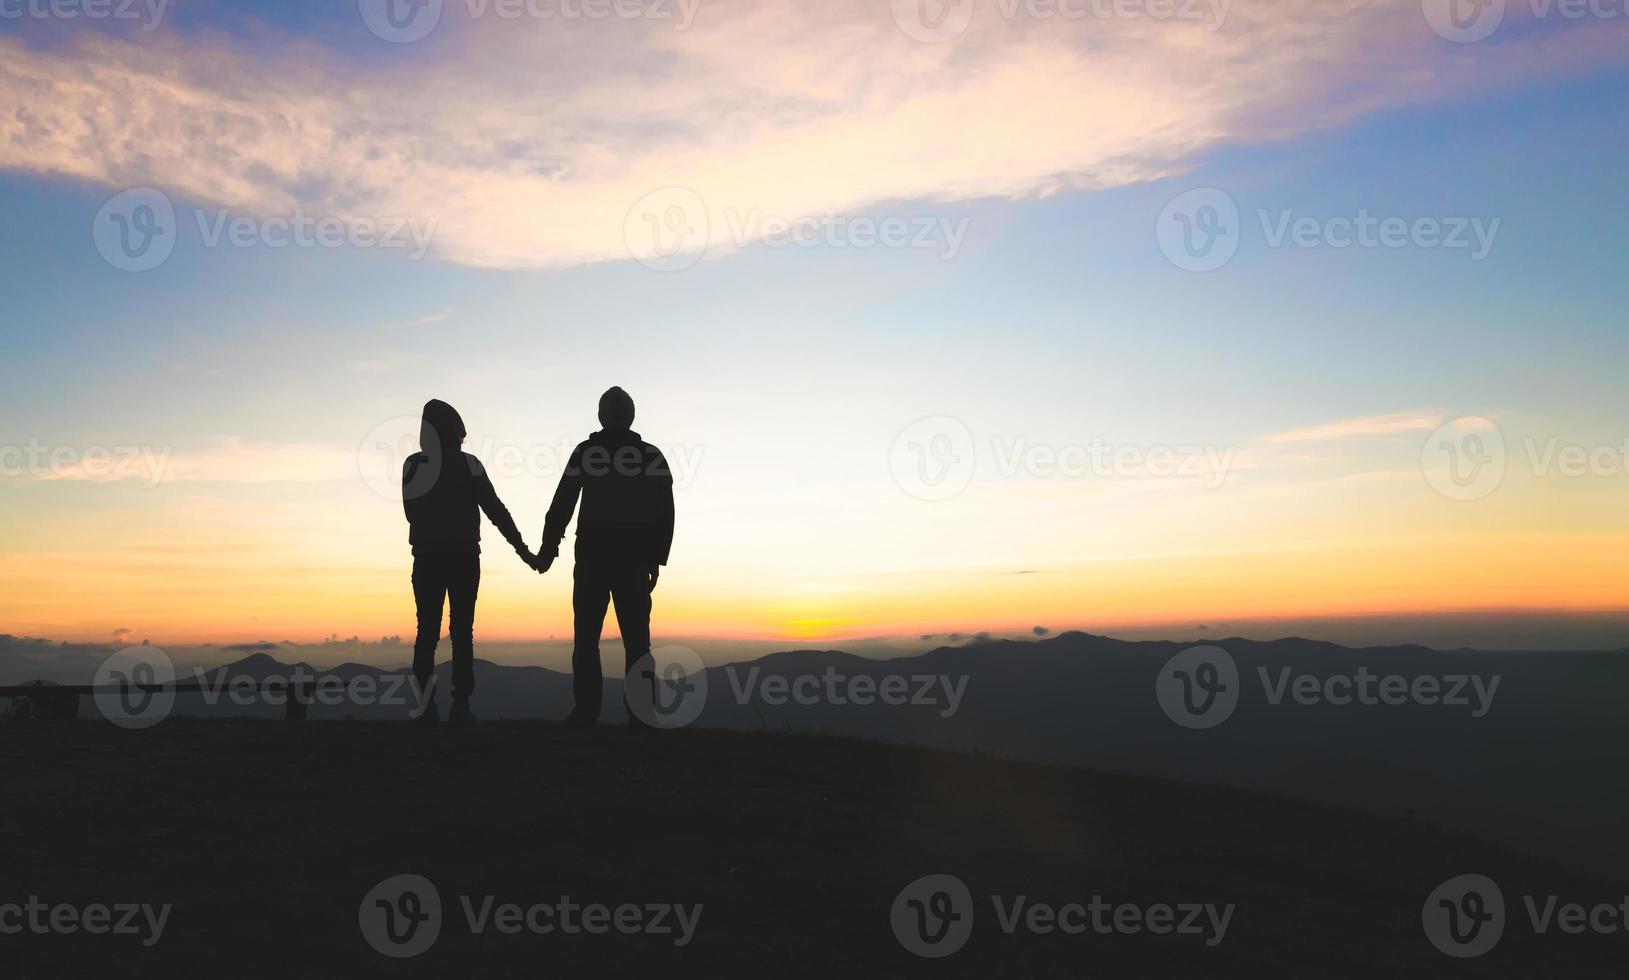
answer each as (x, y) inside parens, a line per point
(442, 428)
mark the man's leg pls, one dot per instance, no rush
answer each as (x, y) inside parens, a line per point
(631, 590)
(429, 590)
(463, 585)
(590, 594)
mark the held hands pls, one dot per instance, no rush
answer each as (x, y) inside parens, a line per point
(536, 563)
(655, 573)
(540, 562)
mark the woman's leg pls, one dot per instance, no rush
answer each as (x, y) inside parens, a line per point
(429, 592)
(463, 586)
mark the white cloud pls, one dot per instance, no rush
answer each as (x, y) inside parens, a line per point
(423, 321)
(1366, 425)
(528, 142)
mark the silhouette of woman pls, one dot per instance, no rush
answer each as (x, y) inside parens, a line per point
(444, 489)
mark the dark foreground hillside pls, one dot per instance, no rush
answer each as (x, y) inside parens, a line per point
(265, 838)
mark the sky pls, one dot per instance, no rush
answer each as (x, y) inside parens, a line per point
(1143, 316)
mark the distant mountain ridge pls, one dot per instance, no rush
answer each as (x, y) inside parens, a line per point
(1554, 725)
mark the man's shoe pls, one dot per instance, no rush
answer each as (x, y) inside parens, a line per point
(460, 714)
(429, 714)
(575, 720)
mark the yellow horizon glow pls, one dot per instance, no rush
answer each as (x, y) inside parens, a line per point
(196, 600)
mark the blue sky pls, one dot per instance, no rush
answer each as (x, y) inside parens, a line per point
(792, 370)
(1048, 290)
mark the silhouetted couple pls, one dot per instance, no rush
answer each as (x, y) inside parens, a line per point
(624, 531)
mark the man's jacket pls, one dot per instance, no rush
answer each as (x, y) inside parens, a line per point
(627, 500)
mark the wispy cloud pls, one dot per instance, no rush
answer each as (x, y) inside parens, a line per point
(530, 143)
(1365, 425)
(438, 316)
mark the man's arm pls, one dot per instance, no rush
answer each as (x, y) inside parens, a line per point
(663, 493)
(658, 487)
(563, 505)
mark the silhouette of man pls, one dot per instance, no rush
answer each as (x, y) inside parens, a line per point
(443, 491)
(623, 536)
